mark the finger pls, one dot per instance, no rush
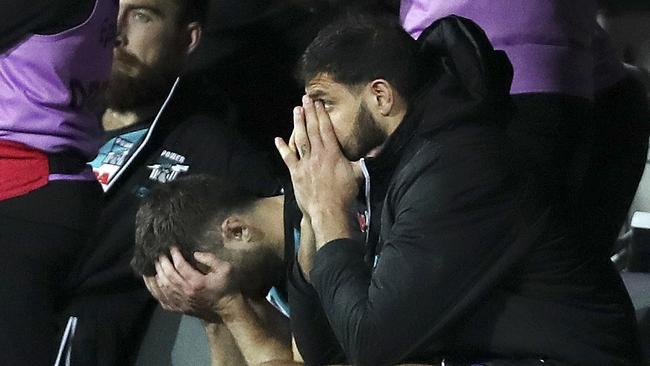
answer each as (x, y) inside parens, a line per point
(300, 132)
(289, 157)
(292, 143)
(157, 293)
(170, 272)
(182, 266)
(167, 289)
(311, 121)
(167, 296)
(161, 283)
(328, 137)
(209, 260)
(152, 286)
(161, 278)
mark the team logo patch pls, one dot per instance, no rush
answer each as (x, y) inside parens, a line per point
(169, 167)
(114, 154)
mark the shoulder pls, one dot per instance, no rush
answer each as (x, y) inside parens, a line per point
(202, 135)
(452, 167)
(201, 127)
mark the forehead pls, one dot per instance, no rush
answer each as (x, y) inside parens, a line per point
(164, 7)
(322, 85)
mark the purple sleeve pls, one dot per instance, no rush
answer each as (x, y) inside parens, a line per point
(549, 43)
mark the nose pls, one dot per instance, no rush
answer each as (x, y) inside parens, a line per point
(121, 39)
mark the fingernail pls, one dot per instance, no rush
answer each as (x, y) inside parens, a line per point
(306, 99)
(296, 111)
(318, 105)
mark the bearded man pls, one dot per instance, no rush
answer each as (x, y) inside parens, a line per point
(153, 134)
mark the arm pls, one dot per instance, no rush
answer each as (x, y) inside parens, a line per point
(258, 342)
(451, 239)
(450, 236)
(19, 18)
(259, 331)
(223, 347)
(311, 329)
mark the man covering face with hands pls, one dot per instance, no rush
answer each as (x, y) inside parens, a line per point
(462, 263)
(320, 170)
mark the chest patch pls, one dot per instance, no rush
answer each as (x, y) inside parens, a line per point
(169, 166)
(114, 154)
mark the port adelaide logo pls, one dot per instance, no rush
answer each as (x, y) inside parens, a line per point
(168, 168)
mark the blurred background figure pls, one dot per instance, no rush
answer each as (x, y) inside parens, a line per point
(55, 59)
(581, 117)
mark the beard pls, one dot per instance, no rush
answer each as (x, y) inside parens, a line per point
(365, 135)
(134, 84)
(257, 269)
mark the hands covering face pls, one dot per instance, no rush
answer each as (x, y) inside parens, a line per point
(325, 182)
(181, 288)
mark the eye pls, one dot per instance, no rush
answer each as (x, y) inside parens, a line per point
(141, 16)
(327, 103)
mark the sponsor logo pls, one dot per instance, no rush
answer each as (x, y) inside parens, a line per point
(169, 167)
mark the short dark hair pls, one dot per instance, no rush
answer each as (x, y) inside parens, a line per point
(184, 213)
(360, 48)
(192, 11)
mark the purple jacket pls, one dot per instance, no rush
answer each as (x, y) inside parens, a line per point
(49, 86)
(554, 46)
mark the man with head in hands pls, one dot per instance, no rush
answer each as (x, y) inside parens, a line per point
(461, 263)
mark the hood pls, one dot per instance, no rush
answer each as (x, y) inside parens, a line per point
(469, 79)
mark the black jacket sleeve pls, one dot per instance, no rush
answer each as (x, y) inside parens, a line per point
(311, 330)
(19, 18)
(446, 230)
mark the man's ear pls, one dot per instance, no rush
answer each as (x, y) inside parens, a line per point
(381, 96)
(194, 33)
(235, 229)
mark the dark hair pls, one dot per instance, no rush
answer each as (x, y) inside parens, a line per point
(186, 213)
(360, 48)
(193, 11)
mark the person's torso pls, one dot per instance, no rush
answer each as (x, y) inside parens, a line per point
(196, 146)
(50, 85)
(553, 290)
(550, 43)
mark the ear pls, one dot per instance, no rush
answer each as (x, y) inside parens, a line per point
(194, 33)
(381, 96)
(235, 229)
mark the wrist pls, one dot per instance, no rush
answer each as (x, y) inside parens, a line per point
(230, 306)
(329, 225)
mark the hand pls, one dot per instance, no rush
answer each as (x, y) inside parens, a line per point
(181, 288)
(324, 181)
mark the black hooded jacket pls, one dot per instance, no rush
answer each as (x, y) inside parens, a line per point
(467, 266)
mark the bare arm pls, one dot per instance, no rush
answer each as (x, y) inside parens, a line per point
(261, 340)
(223, 347)
(259, 331)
